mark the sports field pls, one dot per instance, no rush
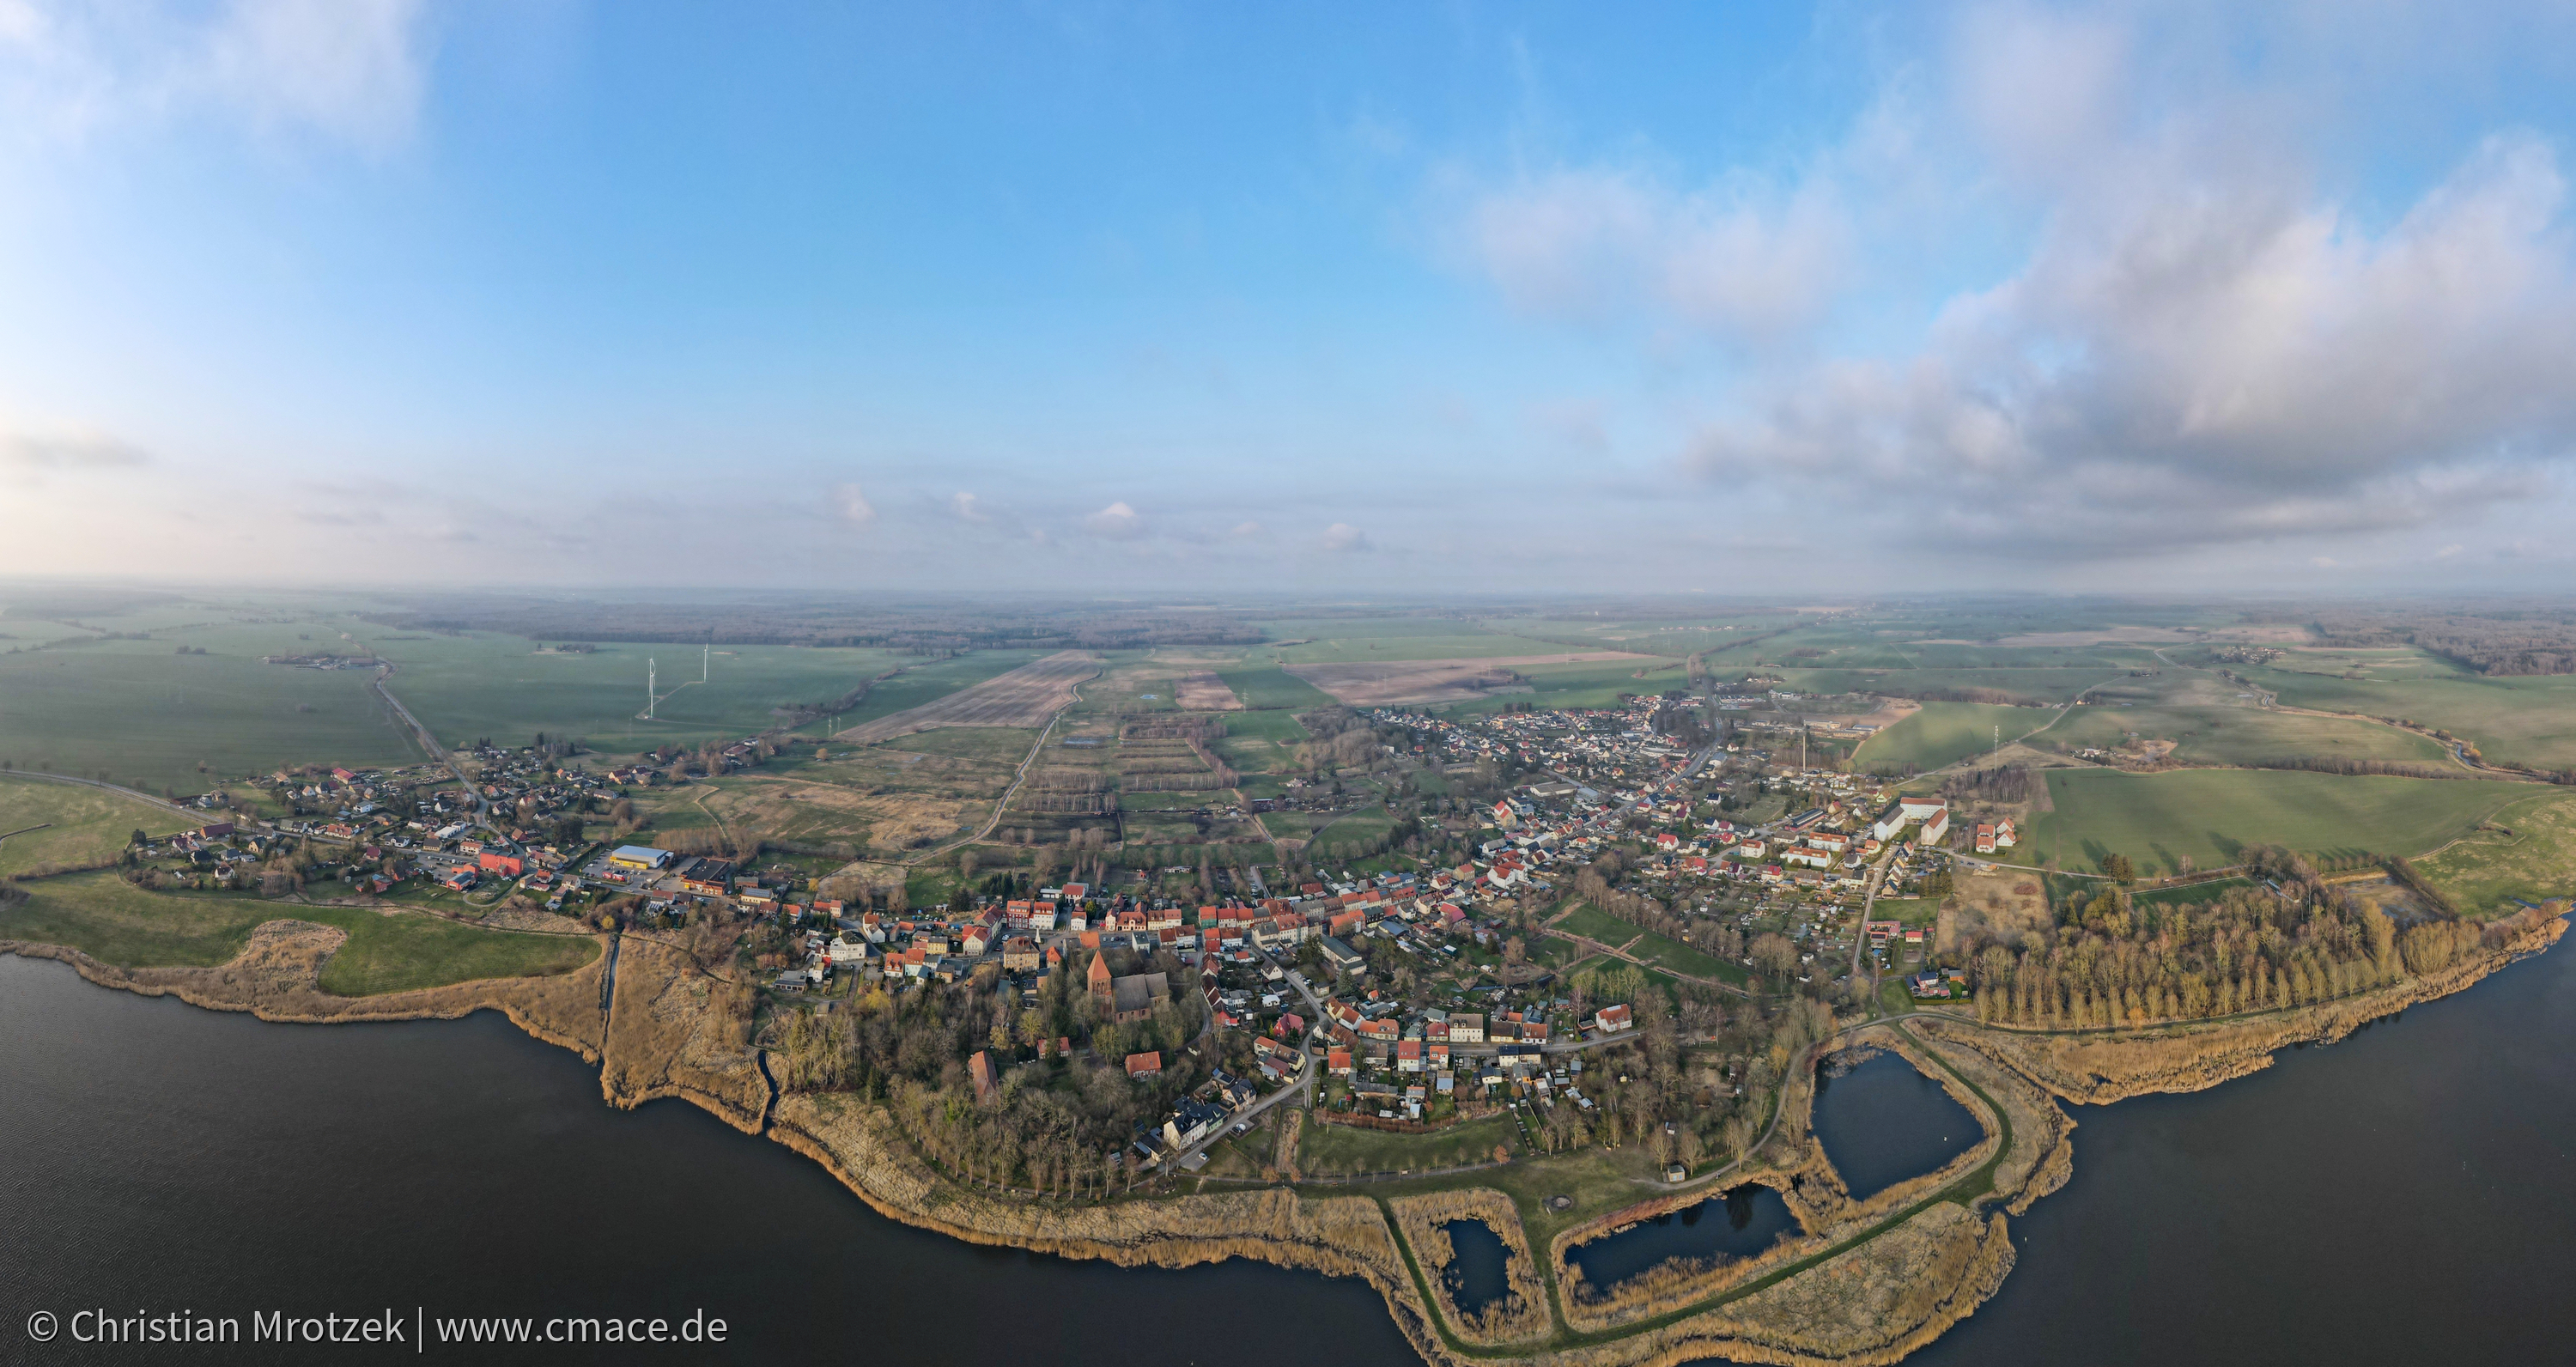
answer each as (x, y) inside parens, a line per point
(2209, 815)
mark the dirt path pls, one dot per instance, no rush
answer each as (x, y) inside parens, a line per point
(120, 789)
(1003, 803)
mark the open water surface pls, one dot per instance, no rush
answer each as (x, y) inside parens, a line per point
(1731, 1224)
(158, 1157)
(1479, 1265)
(1884, 1121)
(2405, 1197)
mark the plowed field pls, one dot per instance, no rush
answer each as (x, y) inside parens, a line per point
(1027, 697)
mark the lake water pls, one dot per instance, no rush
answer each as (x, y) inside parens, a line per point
(1733, 1224)
(1884, 1121)
(2406, 1197)
(1479, 1265)
(159, 1157)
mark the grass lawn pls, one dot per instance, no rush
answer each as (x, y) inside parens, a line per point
(1596, 1181)
(1947, 732)
(2485, 872)
(116, 922)
(1335, 1149)
(1600, 925)
(2210, 815)
(1367, 823)
(1912, 911)
(82, 825)
(1658, 950)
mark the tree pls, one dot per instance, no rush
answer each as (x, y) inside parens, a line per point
(2118, 866)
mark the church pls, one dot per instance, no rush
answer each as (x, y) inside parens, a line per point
(1130, 998)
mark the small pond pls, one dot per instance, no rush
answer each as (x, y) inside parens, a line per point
(1733, 1224)
(1477, 1272)
(1881, 1122)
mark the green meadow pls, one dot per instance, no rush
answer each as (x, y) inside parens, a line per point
(1944, 733)
(76, 825)
(2209, 815)
(116, 922)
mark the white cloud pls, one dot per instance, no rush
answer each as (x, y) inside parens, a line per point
(2045, 89)
(351, 70)
(1249, 531)
(853, 505)
(1345, 539)
(1117, 522)
(964, 505)
(2195, 353)
(1743, 258)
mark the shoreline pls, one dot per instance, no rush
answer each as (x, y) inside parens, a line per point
(1866, 1285)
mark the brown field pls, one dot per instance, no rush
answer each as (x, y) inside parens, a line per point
(1992, 906)
(1027, 697)
(1205, 692)
(1378, 683)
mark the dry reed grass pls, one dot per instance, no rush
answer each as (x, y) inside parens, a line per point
(1521, 1313)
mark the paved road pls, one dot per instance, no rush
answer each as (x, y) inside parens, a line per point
(429, 742)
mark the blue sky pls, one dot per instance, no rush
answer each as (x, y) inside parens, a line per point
(1712, 297)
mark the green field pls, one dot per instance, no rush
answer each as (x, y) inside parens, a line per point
(2485, 873)
(482, 684)
(2209, 815)
(2046, 684)
(1912, 911)
(115, 922)
(2517, 720)
(1944, 733)
(82, 825)
(1333, 1149)
(2245, 735)
(147, 716)
(1651, 948)
(1271, 686)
